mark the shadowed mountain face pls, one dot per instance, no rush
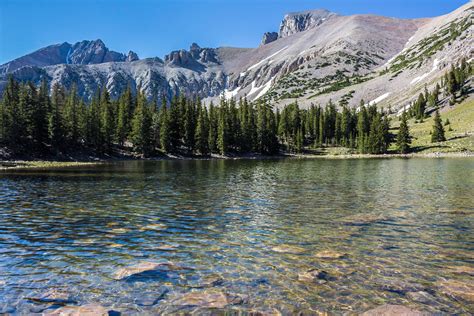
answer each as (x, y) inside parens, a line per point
(80, 53)
(315, 56)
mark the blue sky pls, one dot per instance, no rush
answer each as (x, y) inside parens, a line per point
(154, 28)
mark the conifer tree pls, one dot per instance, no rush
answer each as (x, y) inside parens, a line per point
(141, 127)
(165, 135)
(124, 115)
(222, 129)
(107, 120)
(55, 121)
(437, 134)
(403, 136)
(202, 132)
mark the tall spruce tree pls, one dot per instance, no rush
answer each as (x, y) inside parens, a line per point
(403, 136)
(437, 134)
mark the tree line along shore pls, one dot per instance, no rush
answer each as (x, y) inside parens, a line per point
(35, 123)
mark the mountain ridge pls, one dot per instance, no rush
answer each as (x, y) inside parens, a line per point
(313, 52)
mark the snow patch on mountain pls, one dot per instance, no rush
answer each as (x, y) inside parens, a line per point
(423, 76)
(229, 94)
(379, 98)
(68, 56)
(266, 59)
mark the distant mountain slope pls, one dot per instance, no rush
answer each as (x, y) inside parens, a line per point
(80, 53)
(315, 56)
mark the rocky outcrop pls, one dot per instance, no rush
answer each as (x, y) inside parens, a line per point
(298, 22)
(132, 56)
(269, 37)
(195, 58)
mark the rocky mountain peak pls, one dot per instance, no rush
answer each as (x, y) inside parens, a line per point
(302, 21)
(92, 52)
(132, 56)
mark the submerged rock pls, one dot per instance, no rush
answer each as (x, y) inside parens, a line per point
(329, 254)
(53, 296)
(462, 270)
(84, 310)
(458, 289)
(363, 219)
(394, 310)
(288, 249)
(211, 280)
(399, 286)
(145, 266)
(209, 299)
(421, 297)
(313, 275)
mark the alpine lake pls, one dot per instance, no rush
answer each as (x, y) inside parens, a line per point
(261, 237)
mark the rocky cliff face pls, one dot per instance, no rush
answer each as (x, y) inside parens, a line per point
(269, 37)
(298, 22)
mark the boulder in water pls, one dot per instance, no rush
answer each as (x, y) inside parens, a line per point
(313, 275)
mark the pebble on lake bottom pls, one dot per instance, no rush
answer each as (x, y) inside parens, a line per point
(288, 249)
(329, 254)
(84, 310)
(394, 310)
(458, 289)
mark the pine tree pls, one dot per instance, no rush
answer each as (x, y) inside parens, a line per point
(437, 135)
(202, 132)
(165, 135)
(10, 115)
(141, 127)
(403, 137)
(40, 115)
(222, 130)
(94, 122)
(189, 125)
(124, 115)
(55, 121)
(71, 117)
(362, 132)
(107, 120)
(213, 128)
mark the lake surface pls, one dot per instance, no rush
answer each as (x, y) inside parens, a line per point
(244, 227)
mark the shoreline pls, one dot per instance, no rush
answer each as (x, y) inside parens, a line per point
(53, 164)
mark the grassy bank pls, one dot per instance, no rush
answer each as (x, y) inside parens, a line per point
(4, 165)
(459, 139)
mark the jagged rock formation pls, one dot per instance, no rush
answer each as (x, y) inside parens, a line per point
(316, 56)
(269, 37)
(301, 21)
